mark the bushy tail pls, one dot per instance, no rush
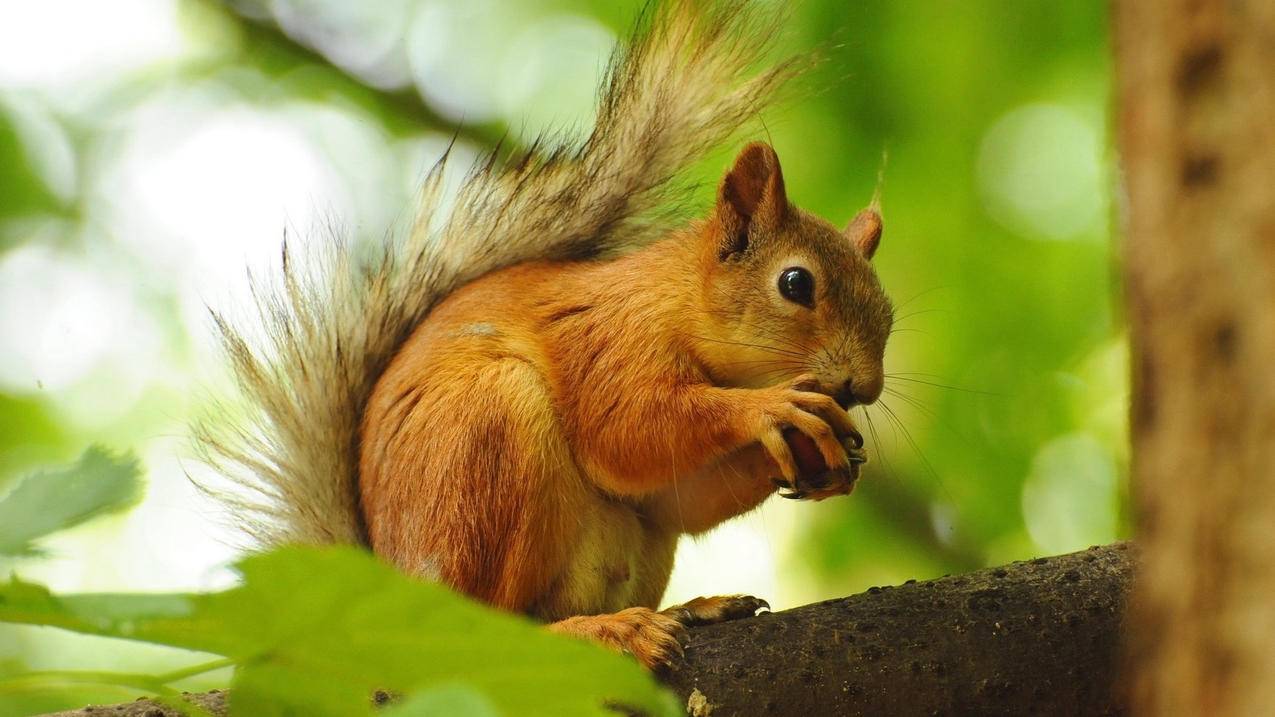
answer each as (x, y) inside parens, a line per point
(330, 322)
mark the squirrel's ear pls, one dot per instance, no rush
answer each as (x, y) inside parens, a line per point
(864, 231)
(752, 192)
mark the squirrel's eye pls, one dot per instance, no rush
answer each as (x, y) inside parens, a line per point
(797, 285)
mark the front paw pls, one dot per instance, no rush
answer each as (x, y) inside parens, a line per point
(809, 459)
(816, 481)
(818, 487)
(801, 429)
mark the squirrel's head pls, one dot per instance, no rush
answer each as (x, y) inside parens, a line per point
(788, 293)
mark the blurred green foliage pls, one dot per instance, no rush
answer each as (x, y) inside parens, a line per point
(1000, 325)
(349, 626)
(1002, 434)
(308, 631)
(54, 500)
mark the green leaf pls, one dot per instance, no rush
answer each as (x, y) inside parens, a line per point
(344, 622)
(30, 432)
(49, 501)
(25, 189)
(318, 631)
(444, 700)
(161, 618)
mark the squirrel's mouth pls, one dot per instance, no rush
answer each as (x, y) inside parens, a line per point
(845, 399)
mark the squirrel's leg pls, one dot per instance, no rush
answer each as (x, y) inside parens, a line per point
(653, 638)
(656, 638)
(472, 483)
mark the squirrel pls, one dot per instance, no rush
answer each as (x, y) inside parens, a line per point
(538, 389)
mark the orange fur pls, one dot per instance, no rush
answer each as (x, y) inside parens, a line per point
(479, 404)
(547, 433)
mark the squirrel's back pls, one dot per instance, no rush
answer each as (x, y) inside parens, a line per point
(334, 316)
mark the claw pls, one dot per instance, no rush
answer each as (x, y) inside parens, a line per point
(857, 438)
(721, 608)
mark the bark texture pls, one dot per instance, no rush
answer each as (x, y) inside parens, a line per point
(1040, 637)
(214, 702)
(1197, 138)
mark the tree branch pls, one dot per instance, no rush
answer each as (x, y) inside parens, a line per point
(1040, 637)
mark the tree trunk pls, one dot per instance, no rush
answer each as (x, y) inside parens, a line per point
(1197, 139)
(1040, 637)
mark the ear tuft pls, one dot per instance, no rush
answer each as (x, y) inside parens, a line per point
(751, 192)
(755, 179)
(864, 231)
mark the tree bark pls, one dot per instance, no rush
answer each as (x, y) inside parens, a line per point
(1040, 637)
(1197, 138)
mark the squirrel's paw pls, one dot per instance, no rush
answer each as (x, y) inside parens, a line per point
(654, 638)
(817, 487)
(827, 483)
(797, 404)
(719, 608)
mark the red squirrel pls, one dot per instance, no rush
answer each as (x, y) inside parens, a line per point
(531, 397)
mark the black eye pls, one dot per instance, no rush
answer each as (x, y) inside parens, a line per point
(797, 286)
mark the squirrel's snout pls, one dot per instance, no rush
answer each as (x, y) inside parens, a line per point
(853, 393)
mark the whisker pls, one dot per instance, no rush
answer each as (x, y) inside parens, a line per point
(677, 495)
(876, 441)
(770, 332)
(930, 413)
(761, 347)
(917, 296)
(726, 482)
(764, 369)
(919, 312)
(912, 401)
(775, 358)
(778, 336)
(777, 367)
(904, 377)
(917, 450)
(915, 373)
(774, 372)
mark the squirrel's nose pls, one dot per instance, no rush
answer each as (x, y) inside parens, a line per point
(858, 392)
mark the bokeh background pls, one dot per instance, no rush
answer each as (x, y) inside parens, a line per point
(151, 150)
